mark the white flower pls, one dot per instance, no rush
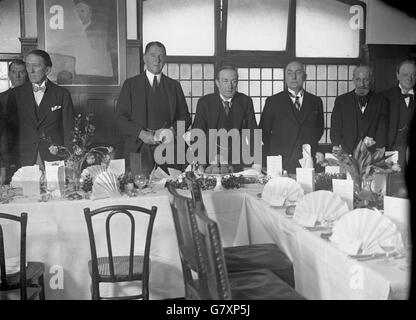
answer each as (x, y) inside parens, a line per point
(368, 141)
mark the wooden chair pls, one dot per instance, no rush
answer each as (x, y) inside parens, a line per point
(114, 269)
(248, 257)
(28, 283)
(201, 254)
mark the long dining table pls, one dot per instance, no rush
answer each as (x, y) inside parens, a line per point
(57, 236)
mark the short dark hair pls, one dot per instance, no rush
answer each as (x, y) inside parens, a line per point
(44, 55)
(226, 67)
(156, 44)
(407, 61)
(18, 62)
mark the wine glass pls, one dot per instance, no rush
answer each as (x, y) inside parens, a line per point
(329, 219)
(141, 181)
(388, 244)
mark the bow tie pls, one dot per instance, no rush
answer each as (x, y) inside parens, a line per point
(38, 88)
(407, 95)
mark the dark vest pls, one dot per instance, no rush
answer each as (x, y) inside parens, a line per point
(362, 121)
(405, 117)
(158, 112)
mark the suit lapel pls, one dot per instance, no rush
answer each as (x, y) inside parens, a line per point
(370, 112)
(171, 93)
(394, 114)
(47, 102)
(306, 108)
(29, 102)
(217, 114)
(289, 107)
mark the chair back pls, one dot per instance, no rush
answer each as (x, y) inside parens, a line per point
(200, 250)
(129, 211)
(188, 246)
(193, 186)
(22, 220)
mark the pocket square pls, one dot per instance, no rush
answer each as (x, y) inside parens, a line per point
(56, 108)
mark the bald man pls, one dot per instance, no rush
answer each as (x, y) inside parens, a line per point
(291, 119)
(359, 114)
(402, 105)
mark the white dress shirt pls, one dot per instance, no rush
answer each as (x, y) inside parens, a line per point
(407, 100)
(39, 95)
(293, 96)
(151, 77)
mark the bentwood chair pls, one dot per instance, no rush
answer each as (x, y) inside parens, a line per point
(116, 269)
(248, 257)
(201, 254)
(27, 283)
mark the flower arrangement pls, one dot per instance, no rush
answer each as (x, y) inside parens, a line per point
(363, 165)
(81, 155)
(323, 181)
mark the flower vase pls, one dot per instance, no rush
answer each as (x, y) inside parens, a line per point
(75, 183)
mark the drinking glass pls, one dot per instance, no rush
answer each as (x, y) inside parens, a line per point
(330, 219)
(389, 246)
(141, 181)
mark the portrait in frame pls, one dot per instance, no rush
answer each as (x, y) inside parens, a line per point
(82, 38)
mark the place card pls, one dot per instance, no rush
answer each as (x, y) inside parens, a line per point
(398, 211)
(274, 166)
(118, 167)
(345, 189)
(306, 178)
(330, 156)
(55, 177)
(332, 169)
(394, 156)
(31, 181)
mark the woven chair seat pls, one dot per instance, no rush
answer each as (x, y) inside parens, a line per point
(121, 269)
(32, 293)
(33, 271)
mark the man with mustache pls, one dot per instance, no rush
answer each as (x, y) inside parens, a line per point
(359, 114)
(401, 109)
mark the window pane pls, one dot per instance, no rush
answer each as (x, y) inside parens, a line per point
(257, 25)
(185, 27)
(10, 26)
(331, 21)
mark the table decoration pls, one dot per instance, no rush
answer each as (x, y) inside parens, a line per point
(319, 208)
(363, 165)
(81, 154)
(278, 191)
(361, 231)
(323, 180)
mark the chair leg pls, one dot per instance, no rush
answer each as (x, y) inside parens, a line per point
(95, 290)
(41, 282)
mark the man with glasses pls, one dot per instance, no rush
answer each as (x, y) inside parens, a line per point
(291, 119)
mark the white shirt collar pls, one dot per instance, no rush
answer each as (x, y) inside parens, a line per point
(151, 77)
(42, 85)
(225, 99)
(300, 94)
(411, 91)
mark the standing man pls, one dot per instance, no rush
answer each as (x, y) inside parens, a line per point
(40, 109)
(359, 114)
(149, 103)
(8, 151)
(401, 100)
(227, 109)
(291, 119)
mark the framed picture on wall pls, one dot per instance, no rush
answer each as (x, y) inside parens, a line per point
(82, 37)
(10, 27)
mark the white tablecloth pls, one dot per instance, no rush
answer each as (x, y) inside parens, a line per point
(57, 235)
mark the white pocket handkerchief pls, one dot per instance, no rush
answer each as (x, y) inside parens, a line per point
(56, 108)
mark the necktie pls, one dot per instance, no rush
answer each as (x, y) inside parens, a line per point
(155, 83)
(407, 95)
(362, 101)
(296, 104)
(39, 89)
(227, 107)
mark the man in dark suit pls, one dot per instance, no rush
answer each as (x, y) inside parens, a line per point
(291, 119)
(9, 158)
(40, 109)
(149, 104)
(227, 109)
(401, 109)
(359, 114)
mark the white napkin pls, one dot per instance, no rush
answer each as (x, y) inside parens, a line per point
(118, 167)
(306, 161)
(280, 189)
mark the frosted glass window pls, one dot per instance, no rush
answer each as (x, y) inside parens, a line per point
(10, 26)
(331, 21)
(257, 25)
(185, 27)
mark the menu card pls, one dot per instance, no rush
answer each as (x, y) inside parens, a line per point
(394, 156)
(274, 166)
(55, 177)
(332, 169)
(345, 189)
(118, 167)
(398, 210)
(306, 178)
(30, 181)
